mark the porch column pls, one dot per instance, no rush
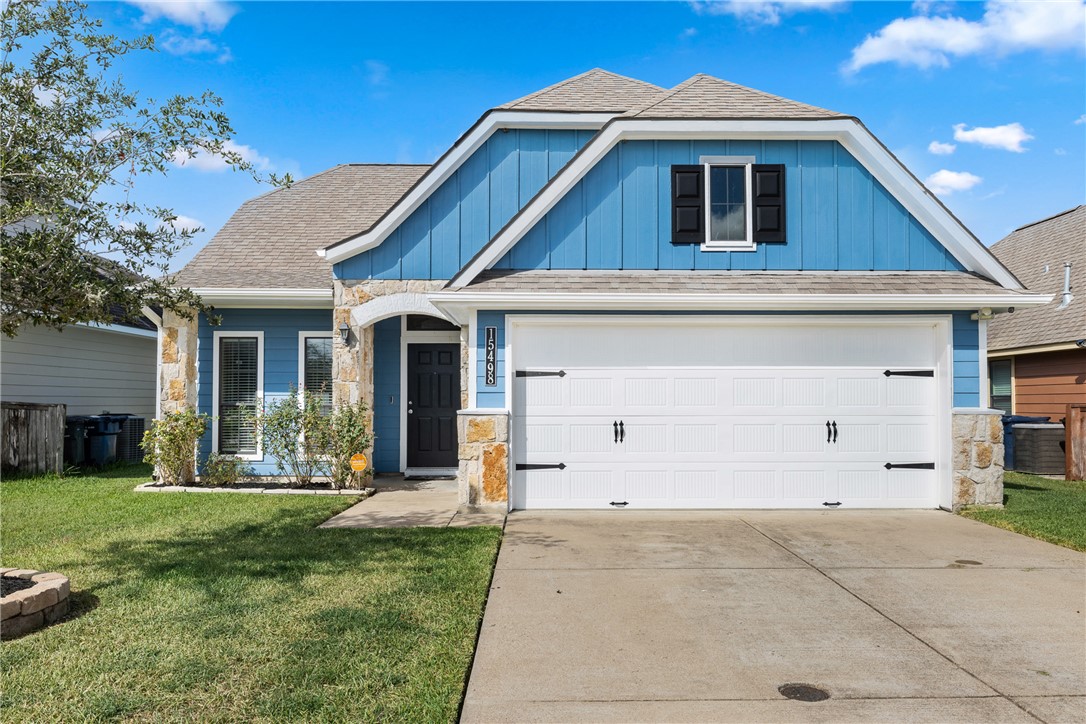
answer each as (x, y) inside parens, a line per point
(352, 362)
(177, 368)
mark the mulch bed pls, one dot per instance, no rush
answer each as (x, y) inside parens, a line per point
(9, 585)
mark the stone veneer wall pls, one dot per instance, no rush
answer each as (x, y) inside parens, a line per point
(177, 371)
(978, 458)
(484, 458)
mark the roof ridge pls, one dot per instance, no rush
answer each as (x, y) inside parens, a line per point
(537, 95)
(550, 88)
(296, 183)
(666, 94)
(1050, 218)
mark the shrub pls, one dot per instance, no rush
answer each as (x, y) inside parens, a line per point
(295, 431)
(223, 470)
(170, 445)
(348, 434)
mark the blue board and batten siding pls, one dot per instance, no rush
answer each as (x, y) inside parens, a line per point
(281, 328)
(838, 217)
(469, 208)
(965, 334)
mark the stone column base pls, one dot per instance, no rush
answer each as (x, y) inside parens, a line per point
(978, 457)
(483, 475)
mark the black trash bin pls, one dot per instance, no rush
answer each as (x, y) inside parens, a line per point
(102, 439)
(75, 439)
(1009, 421)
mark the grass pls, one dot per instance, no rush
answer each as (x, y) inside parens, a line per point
(223, 607)
(1052, 510)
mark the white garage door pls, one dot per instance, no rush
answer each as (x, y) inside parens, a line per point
(689, 414)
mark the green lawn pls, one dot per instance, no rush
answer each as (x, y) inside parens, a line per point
(1052, 510)
(219, 607)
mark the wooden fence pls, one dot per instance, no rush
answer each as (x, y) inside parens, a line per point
(33, 437)
(1075, 448)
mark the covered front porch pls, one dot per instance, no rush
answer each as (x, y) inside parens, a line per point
(395, 352)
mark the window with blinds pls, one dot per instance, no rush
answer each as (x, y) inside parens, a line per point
(238, 399)
(999, 377)
(317, 372)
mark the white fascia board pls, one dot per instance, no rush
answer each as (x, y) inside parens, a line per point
(849, 132)
(460, 305)
(118, 329)
(267, 298)
(448, 164)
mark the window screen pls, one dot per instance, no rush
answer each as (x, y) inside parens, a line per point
(317, 375)
(237, 394)
(727, 203)
(999, 377)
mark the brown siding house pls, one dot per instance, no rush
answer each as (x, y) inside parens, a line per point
(1037, 357)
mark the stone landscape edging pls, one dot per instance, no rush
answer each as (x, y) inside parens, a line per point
(30, 609)
(153, 487)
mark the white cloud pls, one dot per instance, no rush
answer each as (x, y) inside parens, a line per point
(197, 14)
(1008, 137)
(1060, 152)
(761, 12)
(1080, 120)
(945, 182)
(376, 73)
(1006, 27)
(183, 223)
(213, 162)
(688, 33)
(176, 44)
(941, 149)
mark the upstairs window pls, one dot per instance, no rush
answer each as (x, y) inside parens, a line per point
(727, 203)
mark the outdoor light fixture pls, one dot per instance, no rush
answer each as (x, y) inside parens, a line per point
(344, 332)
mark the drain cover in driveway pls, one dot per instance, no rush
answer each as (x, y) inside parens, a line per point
(803, 692)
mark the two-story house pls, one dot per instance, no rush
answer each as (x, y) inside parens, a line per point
(609, 294)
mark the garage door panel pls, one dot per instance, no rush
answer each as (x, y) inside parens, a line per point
(699, 432)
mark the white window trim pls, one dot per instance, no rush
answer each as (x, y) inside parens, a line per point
(708, 162)
(217, 335)
(302, 337)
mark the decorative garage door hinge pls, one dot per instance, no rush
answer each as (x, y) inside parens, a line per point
(618, 504)
(910, 466)
(909, 373)
(532, 466)
(540, 373)
(831, 505)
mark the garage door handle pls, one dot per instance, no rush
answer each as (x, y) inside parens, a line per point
(835, 432)
(616, 432)
(621, 431)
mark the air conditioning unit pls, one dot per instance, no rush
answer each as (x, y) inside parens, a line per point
(128, 441)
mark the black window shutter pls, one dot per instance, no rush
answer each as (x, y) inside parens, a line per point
(687, 204)
(768, 195)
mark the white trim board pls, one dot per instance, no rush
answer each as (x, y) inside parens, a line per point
(267, 298)
(216, 336)
(850, 133)
(447, 165)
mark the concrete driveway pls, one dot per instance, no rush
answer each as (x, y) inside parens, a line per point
(898, 616)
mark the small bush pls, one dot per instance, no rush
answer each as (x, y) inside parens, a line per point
(295, 430)
(222, 470)
(170, 445)
(348, 434)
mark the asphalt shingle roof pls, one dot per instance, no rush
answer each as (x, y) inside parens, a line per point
(594, 91)
(704, 96)
(1028, 252)
(270, 241)
(733, 282)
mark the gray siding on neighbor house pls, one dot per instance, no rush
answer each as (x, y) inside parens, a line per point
(89, 370)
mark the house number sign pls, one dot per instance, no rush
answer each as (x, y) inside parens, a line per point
(491, 356)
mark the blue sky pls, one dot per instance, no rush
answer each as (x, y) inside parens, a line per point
(986, 102)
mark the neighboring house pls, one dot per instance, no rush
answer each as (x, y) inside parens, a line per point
(611, 294)
(89, 368)
(1037, 356)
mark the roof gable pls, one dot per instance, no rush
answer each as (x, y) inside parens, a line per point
(269, 241)
(1028, 252)
(596, 90)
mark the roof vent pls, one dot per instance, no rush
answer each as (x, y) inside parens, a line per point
(1067, 297)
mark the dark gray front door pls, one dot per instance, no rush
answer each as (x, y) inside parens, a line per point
(433, 397)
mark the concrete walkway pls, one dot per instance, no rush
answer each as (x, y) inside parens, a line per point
(400, 503)
(900, 616)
